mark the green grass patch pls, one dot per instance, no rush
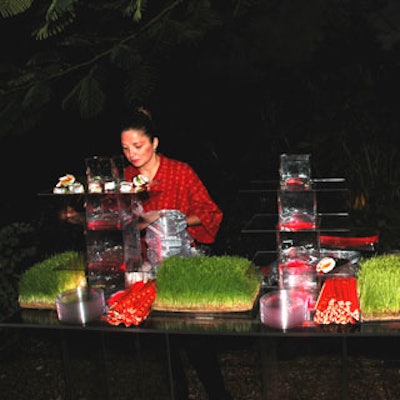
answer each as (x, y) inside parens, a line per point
(379, 284)
(42, 282)
(203, 282)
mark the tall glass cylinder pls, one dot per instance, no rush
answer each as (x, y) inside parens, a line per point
(295, 171)
(297, 210)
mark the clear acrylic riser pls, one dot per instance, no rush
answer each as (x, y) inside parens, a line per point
(111, 235)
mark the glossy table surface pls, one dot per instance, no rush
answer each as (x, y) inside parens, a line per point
(238, 324)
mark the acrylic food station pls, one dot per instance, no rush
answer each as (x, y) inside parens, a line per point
(112, 210)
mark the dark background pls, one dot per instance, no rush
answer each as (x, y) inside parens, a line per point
(294, 76)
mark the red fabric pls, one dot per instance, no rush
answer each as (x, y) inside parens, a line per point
(176, 186)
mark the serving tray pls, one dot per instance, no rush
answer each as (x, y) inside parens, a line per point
(38, 305)
(201, 309)
(392, 316)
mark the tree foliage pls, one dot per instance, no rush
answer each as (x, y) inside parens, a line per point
(77, 48)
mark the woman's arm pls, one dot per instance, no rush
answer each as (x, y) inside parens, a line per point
(193, 220)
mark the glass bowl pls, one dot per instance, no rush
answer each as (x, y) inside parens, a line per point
(80, 305)
(283, 309)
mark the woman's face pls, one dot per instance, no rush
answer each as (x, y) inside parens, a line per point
(137, 147)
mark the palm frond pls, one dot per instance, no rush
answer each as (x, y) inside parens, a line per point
(91, 97)
(10, 8)
(25, 77)
(60, 14)
(71, 98)
(58, 8)
(44, 59)
(242, 6)
(124, 57)
(135, 9)
(37, 96)
(87, 95)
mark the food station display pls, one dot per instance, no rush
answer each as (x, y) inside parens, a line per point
(309, 291)
(332, 281)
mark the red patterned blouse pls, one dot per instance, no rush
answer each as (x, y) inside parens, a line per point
(176, 186)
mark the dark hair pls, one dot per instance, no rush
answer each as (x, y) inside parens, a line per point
(140, 119)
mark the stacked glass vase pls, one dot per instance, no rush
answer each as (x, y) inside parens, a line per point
(297, 231)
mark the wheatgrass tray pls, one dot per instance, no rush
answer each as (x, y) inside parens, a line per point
(43, 281)
(207, 284)
(378, 284)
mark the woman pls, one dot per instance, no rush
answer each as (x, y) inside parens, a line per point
(173, 184)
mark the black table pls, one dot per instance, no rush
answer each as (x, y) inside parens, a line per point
(221, 329)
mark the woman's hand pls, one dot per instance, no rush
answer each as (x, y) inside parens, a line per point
(69, 214)
(147, 218)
